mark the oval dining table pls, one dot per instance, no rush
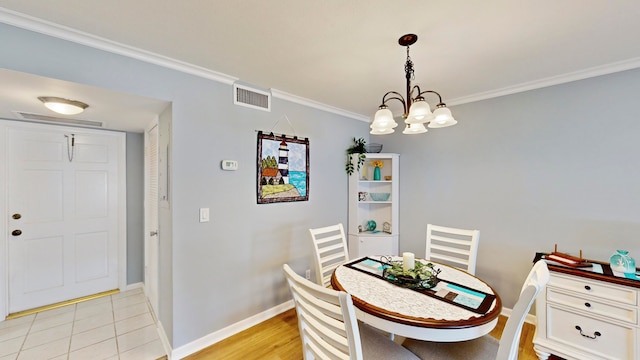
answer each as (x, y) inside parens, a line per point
(412, 314)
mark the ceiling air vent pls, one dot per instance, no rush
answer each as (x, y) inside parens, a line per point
(253, 98)
(38, 117)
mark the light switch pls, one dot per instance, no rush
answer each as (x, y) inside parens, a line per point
(204, 214)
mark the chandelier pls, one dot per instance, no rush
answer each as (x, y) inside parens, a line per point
(417, 110)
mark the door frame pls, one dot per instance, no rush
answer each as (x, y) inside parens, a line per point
(155, 302)
(4, 211)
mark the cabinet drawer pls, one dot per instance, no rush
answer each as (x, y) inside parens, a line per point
(591, 306)
(614, 341)
(595, 288)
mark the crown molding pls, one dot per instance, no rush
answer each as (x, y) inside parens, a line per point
(314, 104)
(27, 22)
(550, 81)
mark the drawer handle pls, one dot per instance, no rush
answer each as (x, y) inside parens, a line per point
(587, 305)
(587, 287)
(595, 334)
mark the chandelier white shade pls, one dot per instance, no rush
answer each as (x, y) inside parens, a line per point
(419, 113)
(412, 129)
(63, 106)
(443, 118)
(417, 110)
(383, 122)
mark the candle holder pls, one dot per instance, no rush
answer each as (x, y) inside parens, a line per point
(421, 276)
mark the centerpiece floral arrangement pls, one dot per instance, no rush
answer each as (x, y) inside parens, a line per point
(377, 163)
(422, 276)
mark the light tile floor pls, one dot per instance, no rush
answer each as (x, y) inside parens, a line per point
(119, 326)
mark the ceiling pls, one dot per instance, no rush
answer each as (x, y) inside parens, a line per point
(346, 54)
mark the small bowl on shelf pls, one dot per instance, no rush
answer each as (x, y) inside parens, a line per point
(373, 148)
(379, 196)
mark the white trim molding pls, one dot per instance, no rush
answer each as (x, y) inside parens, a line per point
(31, 23)
(550, 81)
(27, 22)
(230, 330)
(317, 105)
(62, 32)
(531, 319)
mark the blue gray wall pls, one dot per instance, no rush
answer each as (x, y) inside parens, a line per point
(557, 165)
(217, 273)
(135, 207)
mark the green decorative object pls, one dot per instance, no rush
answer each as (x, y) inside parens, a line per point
(371, 225)
(422, 276)
(622, 262)
(376, 173)
(359, 148)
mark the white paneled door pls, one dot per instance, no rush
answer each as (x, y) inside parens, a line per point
(63, 214)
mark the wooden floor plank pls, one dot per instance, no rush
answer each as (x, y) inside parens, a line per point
(278, 339)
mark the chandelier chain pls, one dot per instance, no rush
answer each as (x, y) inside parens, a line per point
(408, 67)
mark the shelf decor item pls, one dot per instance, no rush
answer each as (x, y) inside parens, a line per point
(359, 149)
(371, 225)
(567, 260)
(421, 276)
(622, 262)
(379, 196)
(377, 165)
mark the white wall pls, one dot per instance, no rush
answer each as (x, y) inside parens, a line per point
(557, 165)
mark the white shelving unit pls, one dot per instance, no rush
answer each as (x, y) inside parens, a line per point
(363, 242)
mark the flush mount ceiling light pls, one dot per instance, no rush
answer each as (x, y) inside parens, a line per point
(417, 111)
(63, 106)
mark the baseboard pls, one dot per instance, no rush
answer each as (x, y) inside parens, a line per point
(230, 330)
(531, 319)
(164, 339)
(138, 285)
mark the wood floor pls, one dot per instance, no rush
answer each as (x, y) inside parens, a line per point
(278, 339)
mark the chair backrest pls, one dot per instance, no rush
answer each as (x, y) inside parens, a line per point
(326, 320)
(330, 246)
(509, 341)
(456, 247)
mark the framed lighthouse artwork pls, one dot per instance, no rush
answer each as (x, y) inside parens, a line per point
(282, 168)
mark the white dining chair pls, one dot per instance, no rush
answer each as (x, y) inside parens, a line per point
(452, 246)
(487, 347)
(329, 328)
(330, 251)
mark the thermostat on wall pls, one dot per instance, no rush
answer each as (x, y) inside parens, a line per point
(229, 165)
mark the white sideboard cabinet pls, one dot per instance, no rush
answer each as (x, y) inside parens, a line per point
(367, 203)
(584, 315)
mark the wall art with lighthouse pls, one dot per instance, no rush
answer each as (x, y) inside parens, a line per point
(282, 168)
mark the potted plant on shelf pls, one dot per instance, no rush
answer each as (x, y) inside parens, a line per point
(358, 147)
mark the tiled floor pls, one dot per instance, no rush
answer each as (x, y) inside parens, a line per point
(119, 326)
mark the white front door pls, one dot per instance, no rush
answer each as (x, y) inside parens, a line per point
(63, 201)
(151, 237)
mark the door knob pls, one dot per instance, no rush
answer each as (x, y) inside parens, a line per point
(16, 232)
(153, 233)
(16, 216)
